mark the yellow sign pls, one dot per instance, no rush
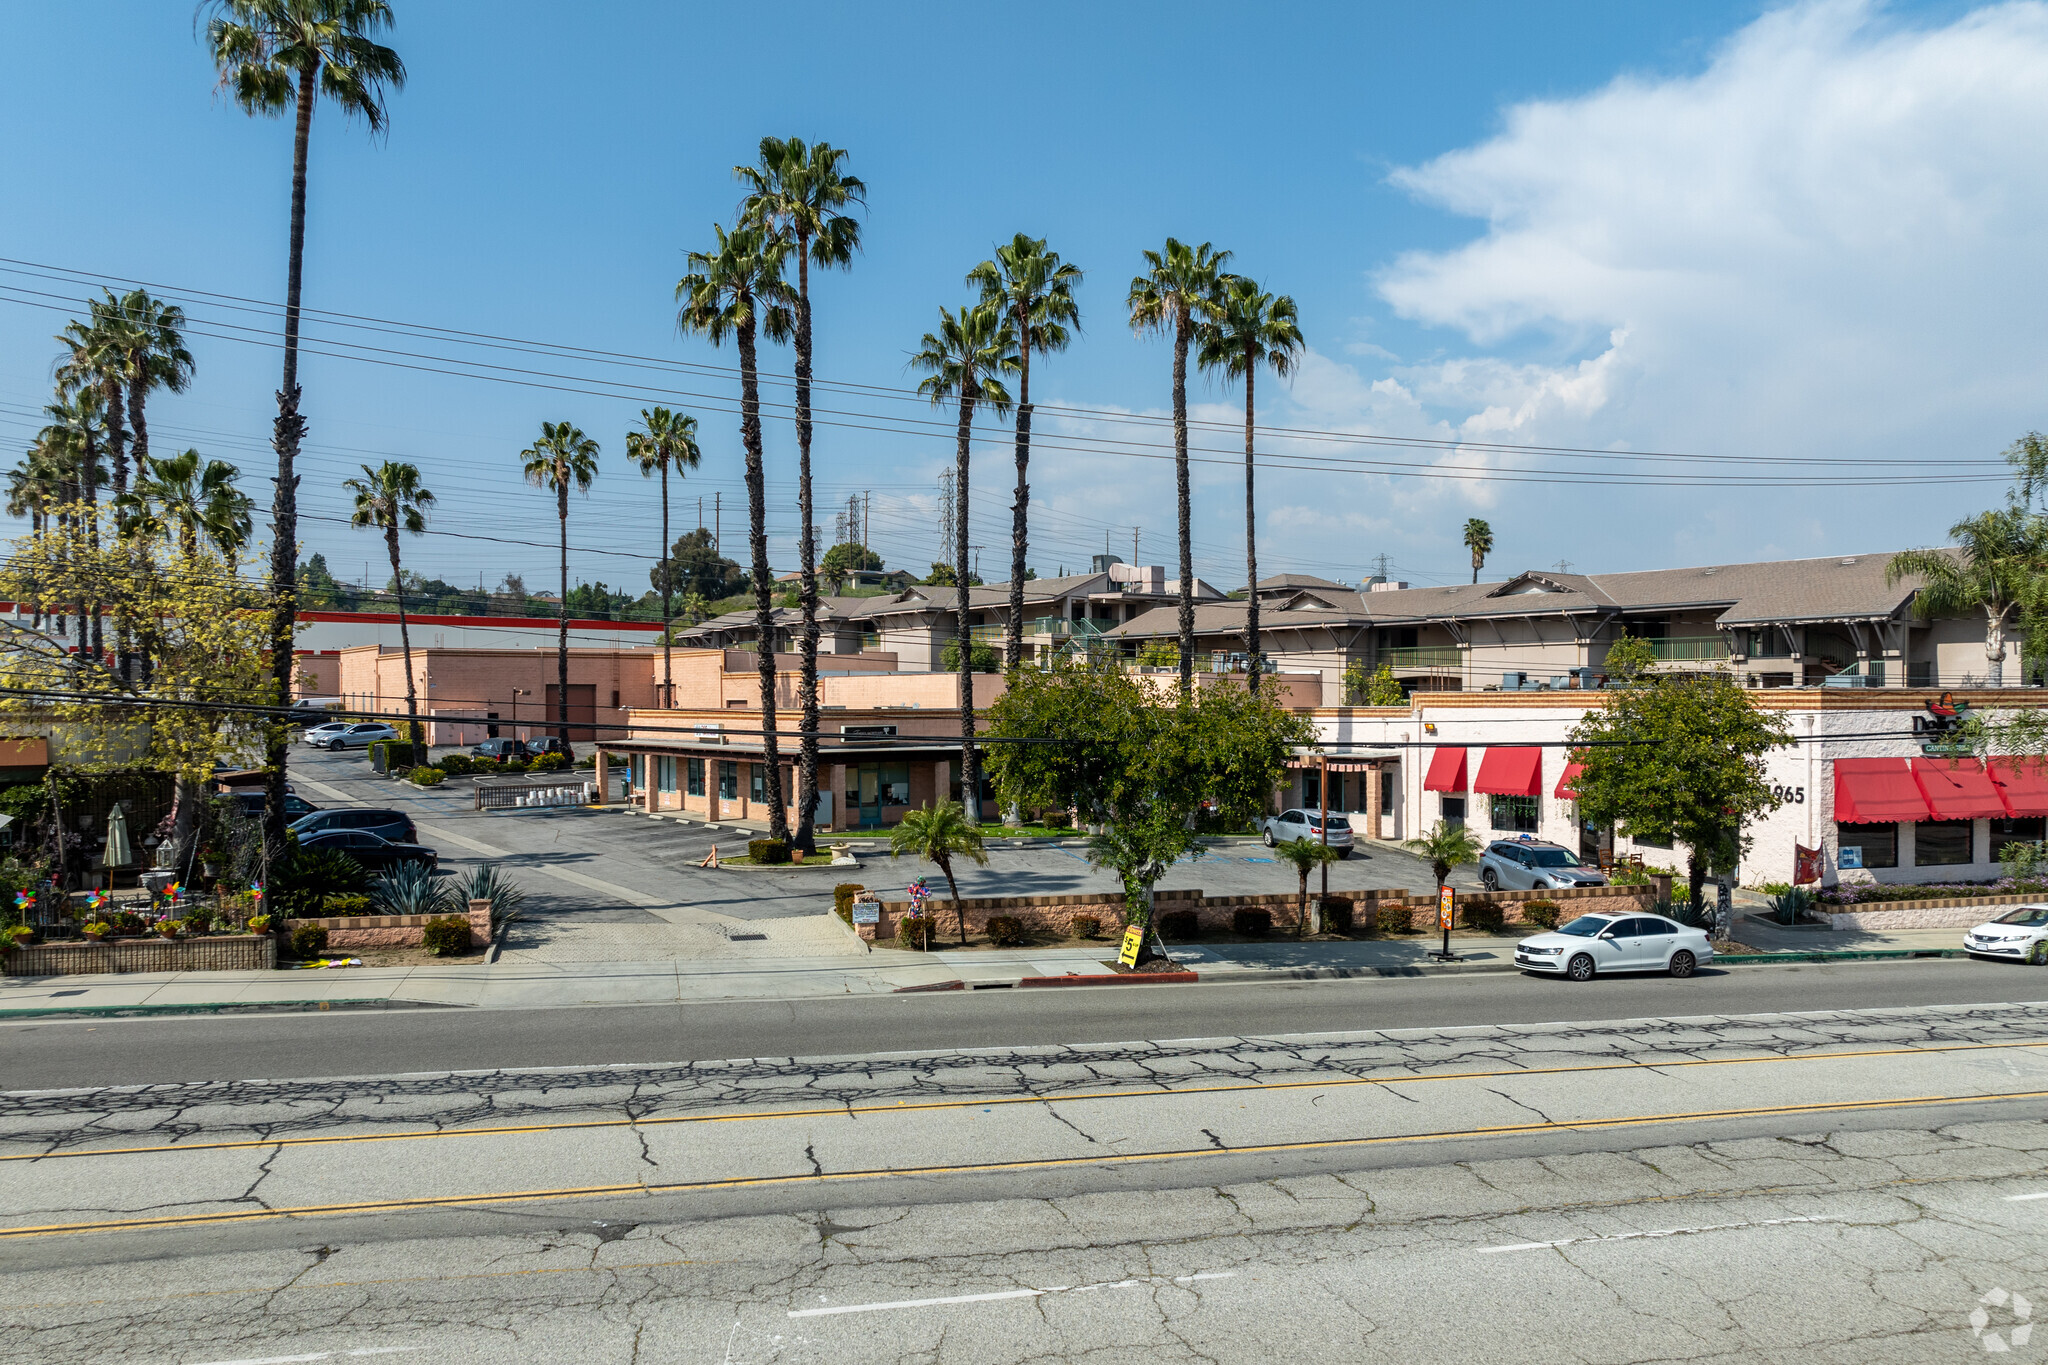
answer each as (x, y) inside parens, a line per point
(1446, 906)
(1134, 939)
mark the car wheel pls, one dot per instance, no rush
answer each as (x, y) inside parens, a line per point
(1343, 853)
(1580, 968)
(1682, 963)
(1268, 837)
(1489, 879)
(2038, 954)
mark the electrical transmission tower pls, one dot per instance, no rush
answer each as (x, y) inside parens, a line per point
(947, 516)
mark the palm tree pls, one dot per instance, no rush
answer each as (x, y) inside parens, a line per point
(1250, 328)
(391, 499)
(1997, 557)
(74, 441)
(1445, 846)
(1479, 540)
(1036, 289)
(274, 55)
(191, 497)
(1176, 294)
(737, 290)
(563, 457)
(966, 359)
(797, 192)
(157, 359)
(667, 440)
(939, 833)
(1305, 855)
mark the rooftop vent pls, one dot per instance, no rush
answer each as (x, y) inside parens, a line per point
(1847, 562)
(1708, 573)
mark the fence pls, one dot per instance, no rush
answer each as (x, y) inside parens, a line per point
(533, 795)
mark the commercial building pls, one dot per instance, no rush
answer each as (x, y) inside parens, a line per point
(323, 635)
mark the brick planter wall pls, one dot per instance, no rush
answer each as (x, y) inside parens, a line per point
(394, 931)
(222, 953)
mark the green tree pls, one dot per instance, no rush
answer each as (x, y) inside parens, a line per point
(1375, 688)
(799, 192)
(1998, 560)
(695, 566)
(1630, 657)
(1034, 289)
(318, 586)
(100, 355)
(391, 498)
(563, 458)
(1248, 330)
(275, 55)
(1479, 540)
(1176, 295)
(985, 659)
(1138, 764)
(966, 359)
(1305, 855)
(192, 498)
(666, 440)
(1445, 846)
(845, 559)
(945, 576)
(939, 834)
(737, 291)
(1679, 756)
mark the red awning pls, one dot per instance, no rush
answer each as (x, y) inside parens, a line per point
(1511, 772)
(1564, 781)
(1876, 791)
(2022, 784)
(1958, 789)
(1446, 771)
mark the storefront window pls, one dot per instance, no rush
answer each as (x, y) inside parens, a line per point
(757, 782)
(1879, 843)
(1516, 814)
(1941, 843)
(1454, 811)
(895, 780)
(728, 779)
(2026, 829)
(1311, 790)
(665, 768)
(696, 776)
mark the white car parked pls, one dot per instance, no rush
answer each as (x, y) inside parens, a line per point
(1595, 944)
(360, 735)
(318, 735)
(2018, 935)
(1308, 824)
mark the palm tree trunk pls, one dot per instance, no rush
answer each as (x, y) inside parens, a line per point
(805, 837)
(970, 764)
(959, 910)
(764, 605)
(288, 431)
(562, 615)
(1994, 644)
(668, 676)
(1183, 504)
(412, 704)
(1020, 508)
(1251, 535)
(94, 636)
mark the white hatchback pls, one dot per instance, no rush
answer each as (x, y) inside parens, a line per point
(2018, 935)
(1594, 944)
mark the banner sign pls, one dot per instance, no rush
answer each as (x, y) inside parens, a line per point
(1446, 906)
(1806, 864)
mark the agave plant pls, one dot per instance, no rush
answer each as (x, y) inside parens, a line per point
(411, 889)
(487, 883)
(1791, 904)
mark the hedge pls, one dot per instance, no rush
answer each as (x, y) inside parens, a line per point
(1084, 926)
(428, 777)
(1542, 914)
(842, 899)
(1005, 931)
(1393, 919)
(309, 940)
(1179, 924)
(447, 936)
(1251, 921)
(765, 850)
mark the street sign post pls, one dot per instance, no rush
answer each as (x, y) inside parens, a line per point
(1446, 911)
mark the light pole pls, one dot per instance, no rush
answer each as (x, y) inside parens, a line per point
(517, 693)
(1323, 795)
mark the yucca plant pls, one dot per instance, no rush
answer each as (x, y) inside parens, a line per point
(487, 883)
(411, 889)
(1791, 904)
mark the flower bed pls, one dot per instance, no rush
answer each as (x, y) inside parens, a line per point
(1929, 891)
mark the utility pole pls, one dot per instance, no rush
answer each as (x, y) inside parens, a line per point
(717, 544)
(1134, 544)
(867, 512)
(700, 511)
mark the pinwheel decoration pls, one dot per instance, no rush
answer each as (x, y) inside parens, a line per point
(96, 900)
(24, 899)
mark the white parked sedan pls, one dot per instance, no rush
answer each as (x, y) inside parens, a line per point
(2018, 935)
(1593, 944)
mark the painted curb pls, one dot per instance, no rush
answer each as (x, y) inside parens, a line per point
(229, 1007)
(1118, 979)
(954, 985)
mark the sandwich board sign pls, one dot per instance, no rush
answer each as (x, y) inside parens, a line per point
(1134, 939)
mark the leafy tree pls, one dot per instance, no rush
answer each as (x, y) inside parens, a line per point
(1445, 846)
(666, 440)
(1034, 288)
(1176, 295)
(737, 291)
(1159, 654)
(1679, 756)
(392, 499)
(939, 834)
(595, 601)
(562, 458)
(1378, 687)
(1999, 559)
(696, 567)
(967, 359)
(1140, 765)
(1248, 330)
(275, 55)
(944, 576)
(845, 559)
(1630, 657)
(1479, 540)
(1305, 855)
(984, 658)
(319, 588)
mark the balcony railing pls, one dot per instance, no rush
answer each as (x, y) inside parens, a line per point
(1060, 628)
(1690, 648)
(1423, 656)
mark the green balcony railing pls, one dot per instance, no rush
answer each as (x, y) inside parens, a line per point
(1690, 648)
(1423, 656)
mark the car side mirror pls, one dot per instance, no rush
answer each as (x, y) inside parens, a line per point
(1607, 933)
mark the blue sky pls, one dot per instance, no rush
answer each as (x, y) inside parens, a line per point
(1716, 229)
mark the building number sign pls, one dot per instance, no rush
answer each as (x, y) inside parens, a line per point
(1788, 796)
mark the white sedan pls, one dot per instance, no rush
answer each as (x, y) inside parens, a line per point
(1595, 944)
(2018, 935)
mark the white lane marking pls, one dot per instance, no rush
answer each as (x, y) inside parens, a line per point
(2023, 1198)
(589, 883)
(337, 794)
(1004, 1294)
(321, 1355)
(1661, 1232)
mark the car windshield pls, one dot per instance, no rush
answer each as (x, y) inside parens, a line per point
(1551, 857)
(2033, 915)
(1585, 926)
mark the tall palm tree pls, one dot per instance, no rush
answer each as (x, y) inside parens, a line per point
(391, 498)
(797, 192)
(75, 439)
(273, 56)
(966, 359)
(562, 458)
(1176, 294)
(1035, 288)
(737, 290)
(157, 359)
(100, 354)
(1479, 540)
(1249, 329)
(1997, 557)
(667, 440)
(189, 497)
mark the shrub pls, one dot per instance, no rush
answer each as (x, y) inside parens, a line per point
(410, 889)
(761, 850)
(455, 765)
(913, 931)
(1178, 924)
(428, 777)
(256, 924)
(1485, 916)
(348, 903)
(487, 883)
(1058, 819)
(1251, 921)
(1336, 915)
(1542, 914)
(1005, 931)
(550, 763)
(1392, 918)
(309, 940)
(1084, 926)
(842, 899)
(1792, 905)
(447, 936)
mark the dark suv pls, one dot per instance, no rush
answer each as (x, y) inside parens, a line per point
(500, 749)
(394, 825)
(250, 803)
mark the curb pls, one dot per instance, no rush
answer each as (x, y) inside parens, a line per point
(1118, 979)
(1841, 955)
(229, 1007)
(954, 985)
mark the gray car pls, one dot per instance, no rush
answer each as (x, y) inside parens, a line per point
(1308, 824)
(1512, 865)
(360, 735)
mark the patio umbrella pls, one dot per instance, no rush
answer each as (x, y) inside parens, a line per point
(119, 852)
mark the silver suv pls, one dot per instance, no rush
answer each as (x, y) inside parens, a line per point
(1308, 824)
(1512, 865)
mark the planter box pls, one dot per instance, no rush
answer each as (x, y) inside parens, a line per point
(219, 953)
(393, 931)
